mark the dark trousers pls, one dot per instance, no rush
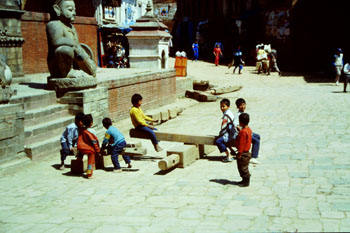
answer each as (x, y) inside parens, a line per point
(243, 164)
(150, 133)
(255, 145)
(64, 151)
(117, 150)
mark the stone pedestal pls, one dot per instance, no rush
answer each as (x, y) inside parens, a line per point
(11, 131)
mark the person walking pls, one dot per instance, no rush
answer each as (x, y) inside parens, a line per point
(195, 48)
(338, 64)
(217, 52)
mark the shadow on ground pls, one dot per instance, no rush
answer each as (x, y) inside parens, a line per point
(224, 181)
(312, 77)
(41, 86)
(162, 173)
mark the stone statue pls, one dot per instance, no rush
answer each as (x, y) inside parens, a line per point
(67, 58)
(5, 81)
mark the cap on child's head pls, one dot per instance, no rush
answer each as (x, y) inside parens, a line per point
(240, 101)
(339, 50)
(244, 118)
(135, 99)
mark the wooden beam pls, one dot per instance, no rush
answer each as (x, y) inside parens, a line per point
(223, 90)
(172, 137)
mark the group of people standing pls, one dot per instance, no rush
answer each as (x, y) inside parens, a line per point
(341, 69)
(266, 58)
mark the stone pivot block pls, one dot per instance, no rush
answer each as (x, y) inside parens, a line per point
(188, 154)
(173, 112)
(104, 161)
(135, 151)
(170, 161)
(200, 85)
(164, 115)
(155, 116)
(78, 166)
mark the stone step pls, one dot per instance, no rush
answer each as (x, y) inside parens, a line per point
(43, 148)
(35, 100)
(46, 130)
(37, 116)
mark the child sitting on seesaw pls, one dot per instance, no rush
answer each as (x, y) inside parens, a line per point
(138, 119)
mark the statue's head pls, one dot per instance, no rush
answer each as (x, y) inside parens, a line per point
(65, 10)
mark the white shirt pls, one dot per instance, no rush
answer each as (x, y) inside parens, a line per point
(347, 68)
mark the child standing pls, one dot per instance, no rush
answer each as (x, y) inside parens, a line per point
(138, 119)
(338, 64)
(116, 141)
(69, 138)
(241, 106)
(88, 144)
(217, 52)
(227, 133)
(195, 48)
(237, 60)
(243, 142)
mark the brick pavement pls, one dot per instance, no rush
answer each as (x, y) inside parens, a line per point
(302, 183)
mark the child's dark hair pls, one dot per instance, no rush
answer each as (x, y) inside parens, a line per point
(79, 116)
(106, 122)
(244, 118)
(226, 102)
(135, 99)
(87, 120)
(240, 101)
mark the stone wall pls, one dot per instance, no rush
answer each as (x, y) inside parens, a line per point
(157, 88)
(35, 45)
(11, 131)
(90, 101)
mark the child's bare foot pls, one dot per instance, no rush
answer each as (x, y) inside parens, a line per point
(158, 148)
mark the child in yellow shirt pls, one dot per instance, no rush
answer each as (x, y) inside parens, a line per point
(138, 119)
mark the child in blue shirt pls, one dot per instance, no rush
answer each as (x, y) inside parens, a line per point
(116, 142)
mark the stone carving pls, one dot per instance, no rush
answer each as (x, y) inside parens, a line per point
(5, 81)
(70, 63)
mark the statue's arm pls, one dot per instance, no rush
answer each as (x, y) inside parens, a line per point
(56, 37)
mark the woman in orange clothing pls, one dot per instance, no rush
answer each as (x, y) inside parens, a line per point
(217, 52)
(88, 144)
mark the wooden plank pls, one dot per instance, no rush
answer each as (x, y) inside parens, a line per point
(200, 85)
(223, 90)
(169, 162)
(172, 137)
(136, 151)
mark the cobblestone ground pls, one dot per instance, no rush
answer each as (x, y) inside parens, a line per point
(302, 183)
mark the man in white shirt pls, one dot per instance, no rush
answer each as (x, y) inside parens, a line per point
(346, 75)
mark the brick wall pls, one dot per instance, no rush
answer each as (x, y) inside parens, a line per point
(35, 45)
(156, 88)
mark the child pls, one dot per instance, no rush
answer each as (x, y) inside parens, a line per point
(138, 119)
(243, 142)
(195, 49)
(217, 53)
(338, 64)
(346, 74)
(116, 142)
(237, 60)
(227, 133)
(69, 138)
(89, 127)
(241, 105)
(88, 144)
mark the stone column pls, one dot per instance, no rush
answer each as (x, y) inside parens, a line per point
(11, 39)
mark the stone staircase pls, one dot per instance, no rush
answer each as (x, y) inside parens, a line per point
(44, 121)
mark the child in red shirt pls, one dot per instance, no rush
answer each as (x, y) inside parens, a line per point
(243, 142)
(88, 144)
